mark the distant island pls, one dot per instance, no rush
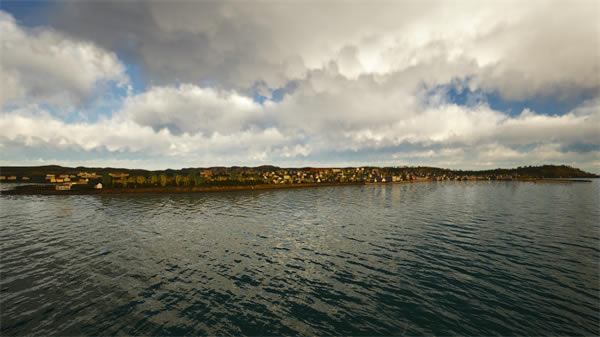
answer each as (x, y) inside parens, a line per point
(58, 180)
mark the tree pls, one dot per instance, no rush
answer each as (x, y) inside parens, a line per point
(163, 180)
(199, 180)
(106, 180)
(178, 179)
(140, 180)
(153, 179)
(190, 179)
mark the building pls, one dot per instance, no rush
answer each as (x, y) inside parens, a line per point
(98, 186)
(12, 178)
(88, 175)
(25, 178)
(63, 187)
(119, 175)
(2, 177)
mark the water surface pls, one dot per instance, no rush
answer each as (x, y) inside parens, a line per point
(443, 258)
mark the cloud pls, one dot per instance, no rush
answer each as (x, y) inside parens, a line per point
(191, 109)
(243, 132)
(509, 47)
(31, 128)
(44, 66)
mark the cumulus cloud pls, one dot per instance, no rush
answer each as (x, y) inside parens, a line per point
(191, 109)
(45, 66)
(32, 127)
(459, 136)
(510, 47)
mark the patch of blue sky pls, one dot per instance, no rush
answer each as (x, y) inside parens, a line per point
(260, 99)
(278, 94)
(258, 92)
(135, 77)
(546, 105)
(579, 147)
(106, 98)
(28, 13)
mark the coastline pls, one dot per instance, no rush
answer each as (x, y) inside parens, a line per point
(36, 190)
(169, 189)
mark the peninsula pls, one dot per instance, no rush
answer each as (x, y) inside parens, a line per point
(82, 180)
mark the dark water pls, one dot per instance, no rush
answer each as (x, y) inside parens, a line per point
(499, 258)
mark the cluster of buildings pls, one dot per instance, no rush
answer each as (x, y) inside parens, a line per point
(366, 175)
(66, 181)
(269, 175)
(13, 178)
(336, 175)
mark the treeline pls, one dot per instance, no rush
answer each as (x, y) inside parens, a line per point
(544, 171)
(243, 175)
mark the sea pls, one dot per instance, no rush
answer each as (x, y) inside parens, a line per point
(431, 258)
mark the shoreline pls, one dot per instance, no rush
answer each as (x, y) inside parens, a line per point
(176, 189)
(169, 189)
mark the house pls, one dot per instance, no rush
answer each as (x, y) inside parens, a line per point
(87, 175)
(98, 186)
(2, 177)
(119, 175)
(50, 176)
(12, 178)
(206, 173)
(67, 179)
(25, 178)
(63, 187)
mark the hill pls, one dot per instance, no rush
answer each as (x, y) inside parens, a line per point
(38, 173)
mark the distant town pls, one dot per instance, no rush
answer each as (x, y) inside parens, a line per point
(63, 178)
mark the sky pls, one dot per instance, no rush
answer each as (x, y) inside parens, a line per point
(157, 84)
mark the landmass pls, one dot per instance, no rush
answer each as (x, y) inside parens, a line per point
(82, 180)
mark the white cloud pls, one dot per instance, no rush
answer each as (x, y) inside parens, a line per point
(191, 109)
(446, 134)
(32, 128)
(512, 47)
(44, 66)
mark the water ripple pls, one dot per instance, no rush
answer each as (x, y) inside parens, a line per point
(446, 258)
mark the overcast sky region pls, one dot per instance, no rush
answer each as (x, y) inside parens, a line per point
(173, 84)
